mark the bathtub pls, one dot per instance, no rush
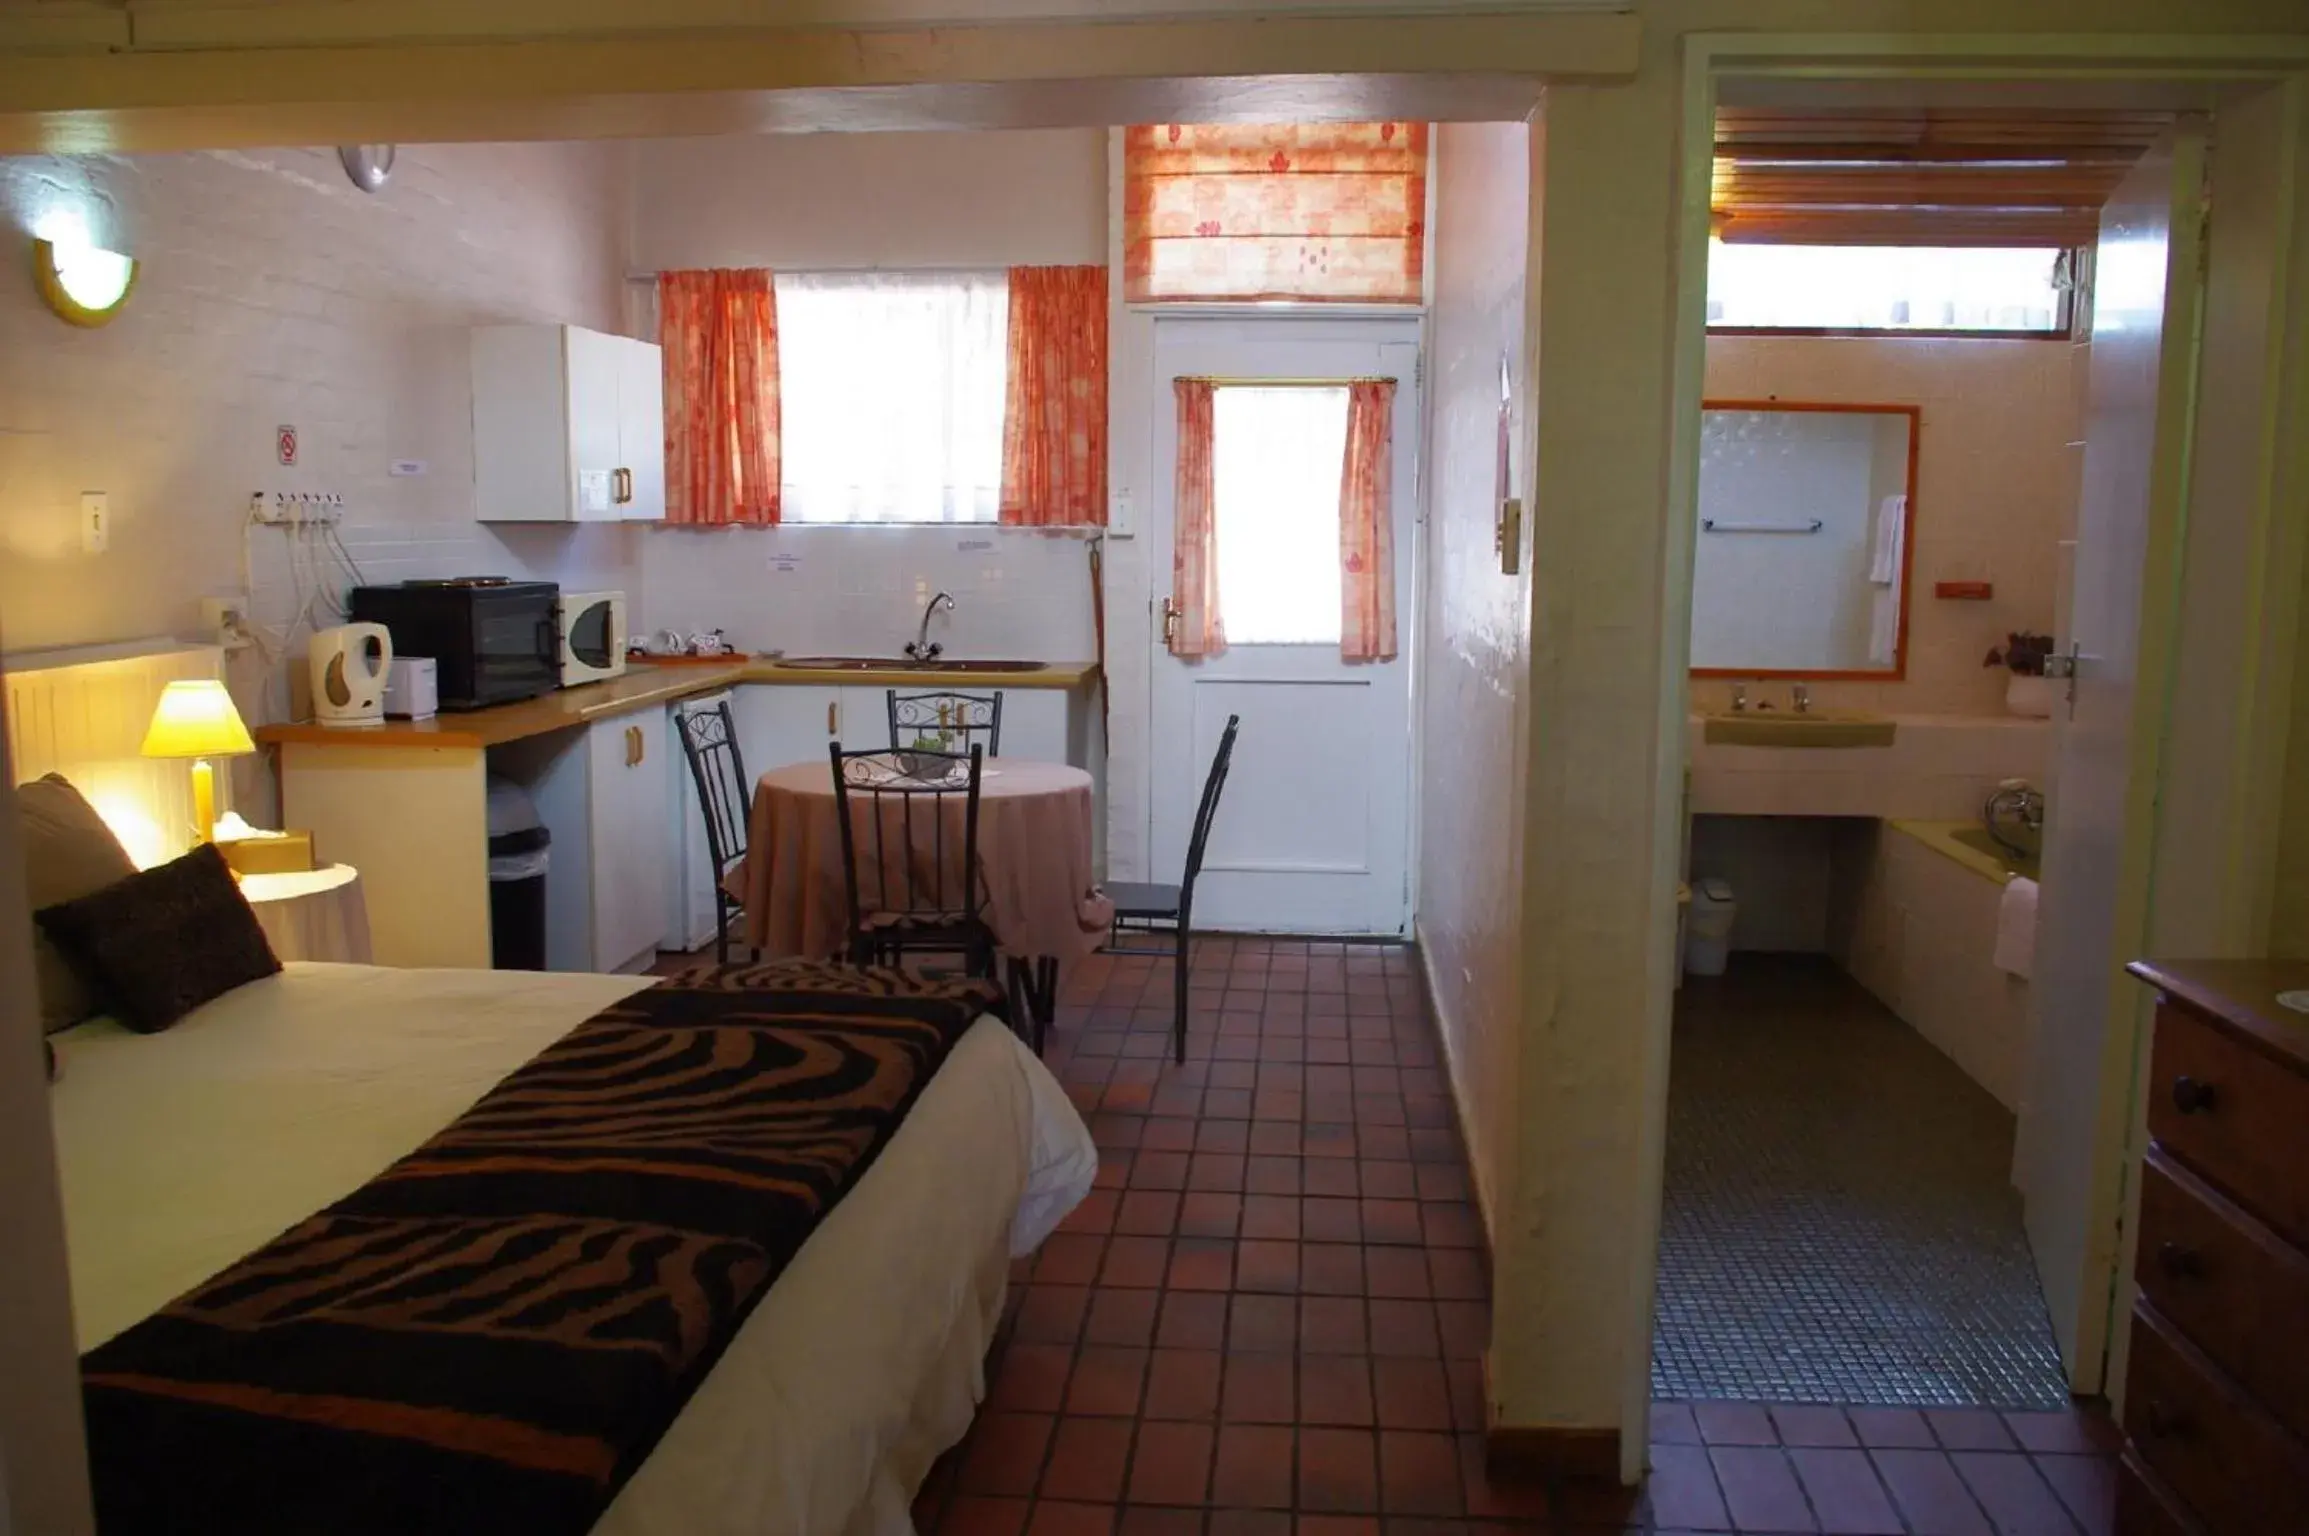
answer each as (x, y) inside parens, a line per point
(1916, 925)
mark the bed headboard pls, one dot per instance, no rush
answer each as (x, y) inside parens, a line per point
(82, 712)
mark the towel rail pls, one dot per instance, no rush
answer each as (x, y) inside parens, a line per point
(1711, 525)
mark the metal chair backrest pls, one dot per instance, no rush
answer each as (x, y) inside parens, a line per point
(1207, 812)
(933, 877)
(961, 719)
(709, 739)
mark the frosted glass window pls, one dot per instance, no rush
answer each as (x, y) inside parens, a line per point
(1276, 458)
(1886, 288)
(891, 392)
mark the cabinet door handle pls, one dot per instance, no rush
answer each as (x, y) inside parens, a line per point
(2192, 1096)
(621, 485)
(640, 745)
(830, 728)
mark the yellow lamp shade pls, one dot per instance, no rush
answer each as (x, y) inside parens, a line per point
(83, 283)
(196, 718)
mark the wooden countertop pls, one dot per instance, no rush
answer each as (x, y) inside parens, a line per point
(645, 685)
(2242, 996)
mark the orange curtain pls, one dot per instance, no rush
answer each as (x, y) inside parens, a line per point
(1194, 536)
(719, 331)
(1054, 411)
(1367, 524)
(1315, 212)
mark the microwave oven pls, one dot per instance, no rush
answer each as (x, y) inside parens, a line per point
(492, 640)
(589, 630)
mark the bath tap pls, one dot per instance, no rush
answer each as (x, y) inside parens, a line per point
(922, 647)
(1739, 698)
(1803, 698)
(2014, 798)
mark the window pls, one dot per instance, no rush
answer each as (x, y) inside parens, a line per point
(891, 391)
(1276, 456)
(1332, 213)
(1887, 288)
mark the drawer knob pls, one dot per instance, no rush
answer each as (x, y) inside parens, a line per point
(2163, 1421)
(2192, 1096)
(2179, 1262)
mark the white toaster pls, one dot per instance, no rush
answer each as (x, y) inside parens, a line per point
(412, 688)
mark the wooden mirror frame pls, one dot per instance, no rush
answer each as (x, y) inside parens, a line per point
(1898, 671)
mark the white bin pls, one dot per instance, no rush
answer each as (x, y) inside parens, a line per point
(1708, 928)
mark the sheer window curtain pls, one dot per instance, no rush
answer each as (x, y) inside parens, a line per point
(719, 334)
(1194, 534)
(1367, 524)
(867, 441)
(1054, 419)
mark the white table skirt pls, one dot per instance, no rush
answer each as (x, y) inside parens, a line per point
(312, 914)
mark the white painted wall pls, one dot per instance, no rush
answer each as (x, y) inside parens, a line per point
(1473, 653)
(1995, 490)
(272, 292)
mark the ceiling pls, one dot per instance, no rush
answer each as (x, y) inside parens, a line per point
(1858, 175)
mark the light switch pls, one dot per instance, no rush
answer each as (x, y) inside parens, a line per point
(95, 522)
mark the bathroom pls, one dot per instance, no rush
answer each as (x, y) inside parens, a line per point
(1886, 531)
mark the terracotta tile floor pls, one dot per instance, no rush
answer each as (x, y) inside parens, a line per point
(1266, 1320)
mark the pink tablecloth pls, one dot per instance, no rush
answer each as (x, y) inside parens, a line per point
(1034, 842)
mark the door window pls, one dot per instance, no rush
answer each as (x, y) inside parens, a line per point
(1276, 457)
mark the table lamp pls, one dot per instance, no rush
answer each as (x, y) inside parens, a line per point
(196, 719)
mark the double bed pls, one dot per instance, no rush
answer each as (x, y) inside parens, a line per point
(185, 1151)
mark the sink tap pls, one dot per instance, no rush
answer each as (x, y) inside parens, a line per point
(1739, 698)
(1803, 698)
(922, 647)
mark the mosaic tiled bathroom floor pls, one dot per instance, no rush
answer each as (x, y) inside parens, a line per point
(1840, 1224)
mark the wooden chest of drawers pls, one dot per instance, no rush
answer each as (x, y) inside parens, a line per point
(2217, 1391)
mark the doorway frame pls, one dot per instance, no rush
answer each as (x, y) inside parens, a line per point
(2209, 65)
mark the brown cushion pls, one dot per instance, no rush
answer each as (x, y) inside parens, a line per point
(162, 942)
(68, 852)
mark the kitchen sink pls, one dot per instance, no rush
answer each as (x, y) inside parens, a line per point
(1812, 728)
(903, 664)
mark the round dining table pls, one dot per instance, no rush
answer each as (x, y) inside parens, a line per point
(1041, 898)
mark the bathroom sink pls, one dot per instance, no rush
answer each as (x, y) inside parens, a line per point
(1813, 728)
(903, 664)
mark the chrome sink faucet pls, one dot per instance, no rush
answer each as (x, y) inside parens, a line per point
(1803, 698)
(1739, 698)
(922, 647)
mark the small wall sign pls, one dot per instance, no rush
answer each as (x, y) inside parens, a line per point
(285, 444)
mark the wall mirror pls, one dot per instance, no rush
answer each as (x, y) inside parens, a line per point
(1806, 517)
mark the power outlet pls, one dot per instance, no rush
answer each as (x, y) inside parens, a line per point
(95, 522)
(226, 621)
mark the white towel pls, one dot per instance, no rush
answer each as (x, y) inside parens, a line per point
(1891, 533)
(1884, 576)
(2016, 928)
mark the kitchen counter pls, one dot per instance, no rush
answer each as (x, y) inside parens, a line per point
(647, 684)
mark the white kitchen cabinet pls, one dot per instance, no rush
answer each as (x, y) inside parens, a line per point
(789, 723)
(568, 426)
(626, 814)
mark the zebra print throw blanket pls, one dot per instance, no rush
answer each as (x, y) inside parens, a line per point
(492, 1334)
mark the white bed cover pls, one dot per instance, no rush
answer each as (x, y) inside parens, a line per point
(183, 1151)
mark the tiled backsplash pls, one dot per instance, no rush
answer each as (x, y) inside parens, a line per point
(861, 591)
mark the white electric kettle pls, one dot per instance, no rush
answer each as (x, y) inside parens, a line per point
(349, 663)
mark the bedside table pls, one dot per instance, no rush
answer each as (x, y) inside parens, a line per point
(314, 914)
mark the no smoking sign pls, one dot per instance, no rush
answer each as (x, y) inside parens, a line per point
(285, 444)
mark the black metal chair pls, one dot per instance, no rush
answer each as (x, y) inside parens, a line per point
(1170, 908)
(709, 739)
(926, 892)
(961, 719)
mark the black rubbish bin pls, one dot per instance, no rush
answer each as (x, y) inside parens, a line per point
(518, 849)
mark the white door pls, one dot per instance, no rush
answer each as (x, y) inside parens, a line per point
(2077, 1106)
(592, 364)
(641, 428)
(1313, 831)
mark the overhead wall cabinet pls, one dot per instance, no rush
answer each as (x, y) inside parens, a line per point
(568, 426)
